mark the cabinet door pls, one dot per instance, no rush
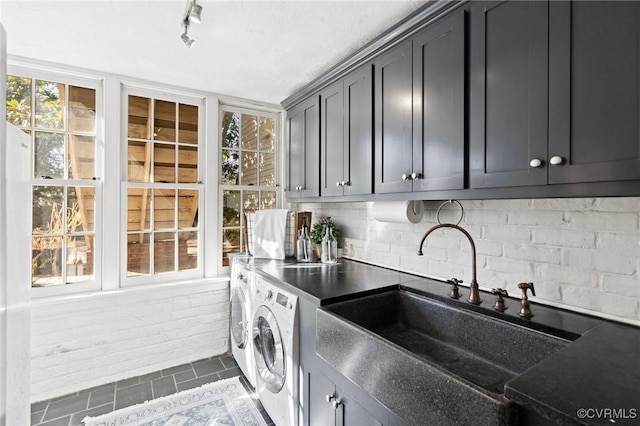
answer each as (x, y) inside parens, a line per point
(358, 136)
(332, 134)
(594, 91)
(321, 411)
(350, 413)
(393, 120)
(438, 105)
(304, 149)
(509, 93)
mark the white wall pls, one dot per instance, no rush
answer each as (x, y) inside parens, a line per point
(82, 341)
(583, 254)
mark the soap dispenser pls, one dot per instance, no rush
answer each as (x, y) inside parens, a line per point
(329, 246)
(303, 247)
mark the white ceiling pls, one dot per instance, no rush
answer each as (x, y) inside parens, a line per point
(258, 50)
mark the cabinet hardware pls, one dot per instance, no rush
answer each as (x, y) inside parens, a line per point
(415, 175)
(346, 183)
(536, 162)
(330, 397)
(556, 160)
(336, 403)
(406, 177)
(338, 184)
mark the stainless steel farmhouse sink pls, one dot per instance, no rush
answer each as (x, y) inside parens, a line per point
(429, 362)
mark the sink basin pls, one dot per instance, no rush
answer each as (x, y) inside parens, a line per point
(429, 362)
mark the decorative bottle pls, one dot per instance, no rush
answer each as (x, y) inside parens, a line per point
(329, 246)
(303, 252)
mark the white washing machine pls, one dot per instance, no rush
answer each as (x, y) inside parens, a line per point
(241, 301)
(275, 348)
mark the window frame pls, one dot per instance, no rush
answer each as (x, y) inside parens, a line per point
(178, 97)
(82, 80)
(278, 169)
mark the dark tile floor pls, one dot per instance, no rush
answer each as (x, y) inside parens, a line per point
(69, 410)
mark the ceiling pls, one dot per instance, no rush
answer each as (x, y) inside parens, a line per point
(258, 50)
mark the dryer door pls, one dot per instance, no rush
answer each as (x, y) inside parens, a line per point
(239, 326)
(268, 349)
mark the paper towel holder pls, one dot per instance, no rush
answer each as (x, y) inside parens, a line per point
(450, 202)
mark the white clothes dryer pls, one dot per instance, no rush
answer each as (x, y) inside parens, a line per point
(241, 301)
(276, 353)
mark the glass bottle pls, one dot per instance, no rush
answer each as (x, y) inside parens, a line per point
(329, 246)
(303, 247)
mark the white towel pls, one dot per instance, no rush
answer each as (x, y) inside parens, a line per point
(269, 232)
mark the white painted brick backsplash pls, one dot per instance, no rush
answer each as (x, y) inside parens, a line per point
(81, 344)
(582, 253)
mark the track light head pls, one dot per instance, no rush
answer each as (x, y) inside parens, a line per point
(195, 12)
(188, 41)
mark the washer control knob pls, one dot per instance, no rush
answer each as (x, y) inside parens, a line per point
(269, 295)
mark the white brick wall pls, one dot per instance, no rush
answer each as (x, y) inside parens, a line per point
(582, 254)
(81, 342)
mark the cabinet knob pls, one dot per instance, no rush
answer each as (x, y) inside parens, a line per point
(406, 177)
(346, 183)
(415, 175)
(535, 163)
(336, 403)
(330, 397)
(338, 184)
(556, 160)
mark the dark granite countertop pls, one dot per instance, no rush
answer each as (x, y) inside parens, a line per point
(598, 370)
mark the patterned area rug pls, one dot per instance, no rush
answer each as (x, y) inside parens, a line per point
(225, 402)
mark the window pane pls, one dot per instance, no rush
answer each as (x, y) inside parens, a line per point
(138, 255)
(82, 157)
(267, 170)
(267, 134)
(187, 164)
(49, 155)
(47, 209)
(138, 160)
(250, 200)
(164, 208)
(164, 252)
(187, 208)
(230, 130)
(249, 132)
(164, 124)
(82, 109)
(80, 209)
(230, 166)
(50, 105)
(188, 126)
(139, 113)
(164, 163)
(79, 259)
(187, 250)
(138, 209)
(46, 261)
(231, 208)
(19, 101)
(230, 243)
(249, 163)
(268, 200)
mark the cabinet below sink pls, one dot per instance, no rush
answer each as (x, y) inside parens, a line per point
(428, 362)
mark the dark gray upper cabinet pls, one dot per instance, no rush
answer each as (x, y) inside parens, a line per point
(594, 89)
(508, 93)
(439, 105)
(303, 122)
(347, 135)
(393, 120)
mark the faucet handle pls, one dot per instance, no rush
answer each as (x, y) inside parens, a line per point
(499, 293)
(525, 310)
(455, 294)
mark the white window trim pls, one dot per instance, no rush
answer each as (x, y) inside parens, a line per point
(94, 82)
(171, 96)
(279, 151)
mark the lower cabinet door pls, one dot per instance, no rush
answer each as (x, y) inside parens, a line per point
(350, 413)
(321, 411)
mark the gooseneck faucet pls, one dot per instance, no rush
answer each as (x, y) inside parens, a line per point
(474, 293)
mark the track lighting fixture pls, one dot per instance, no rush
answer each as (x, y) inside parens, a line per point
(191, 14)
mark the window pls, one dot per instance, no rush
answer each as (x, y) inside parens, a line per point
(249, 172)
(163, 193)
(61, 120)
